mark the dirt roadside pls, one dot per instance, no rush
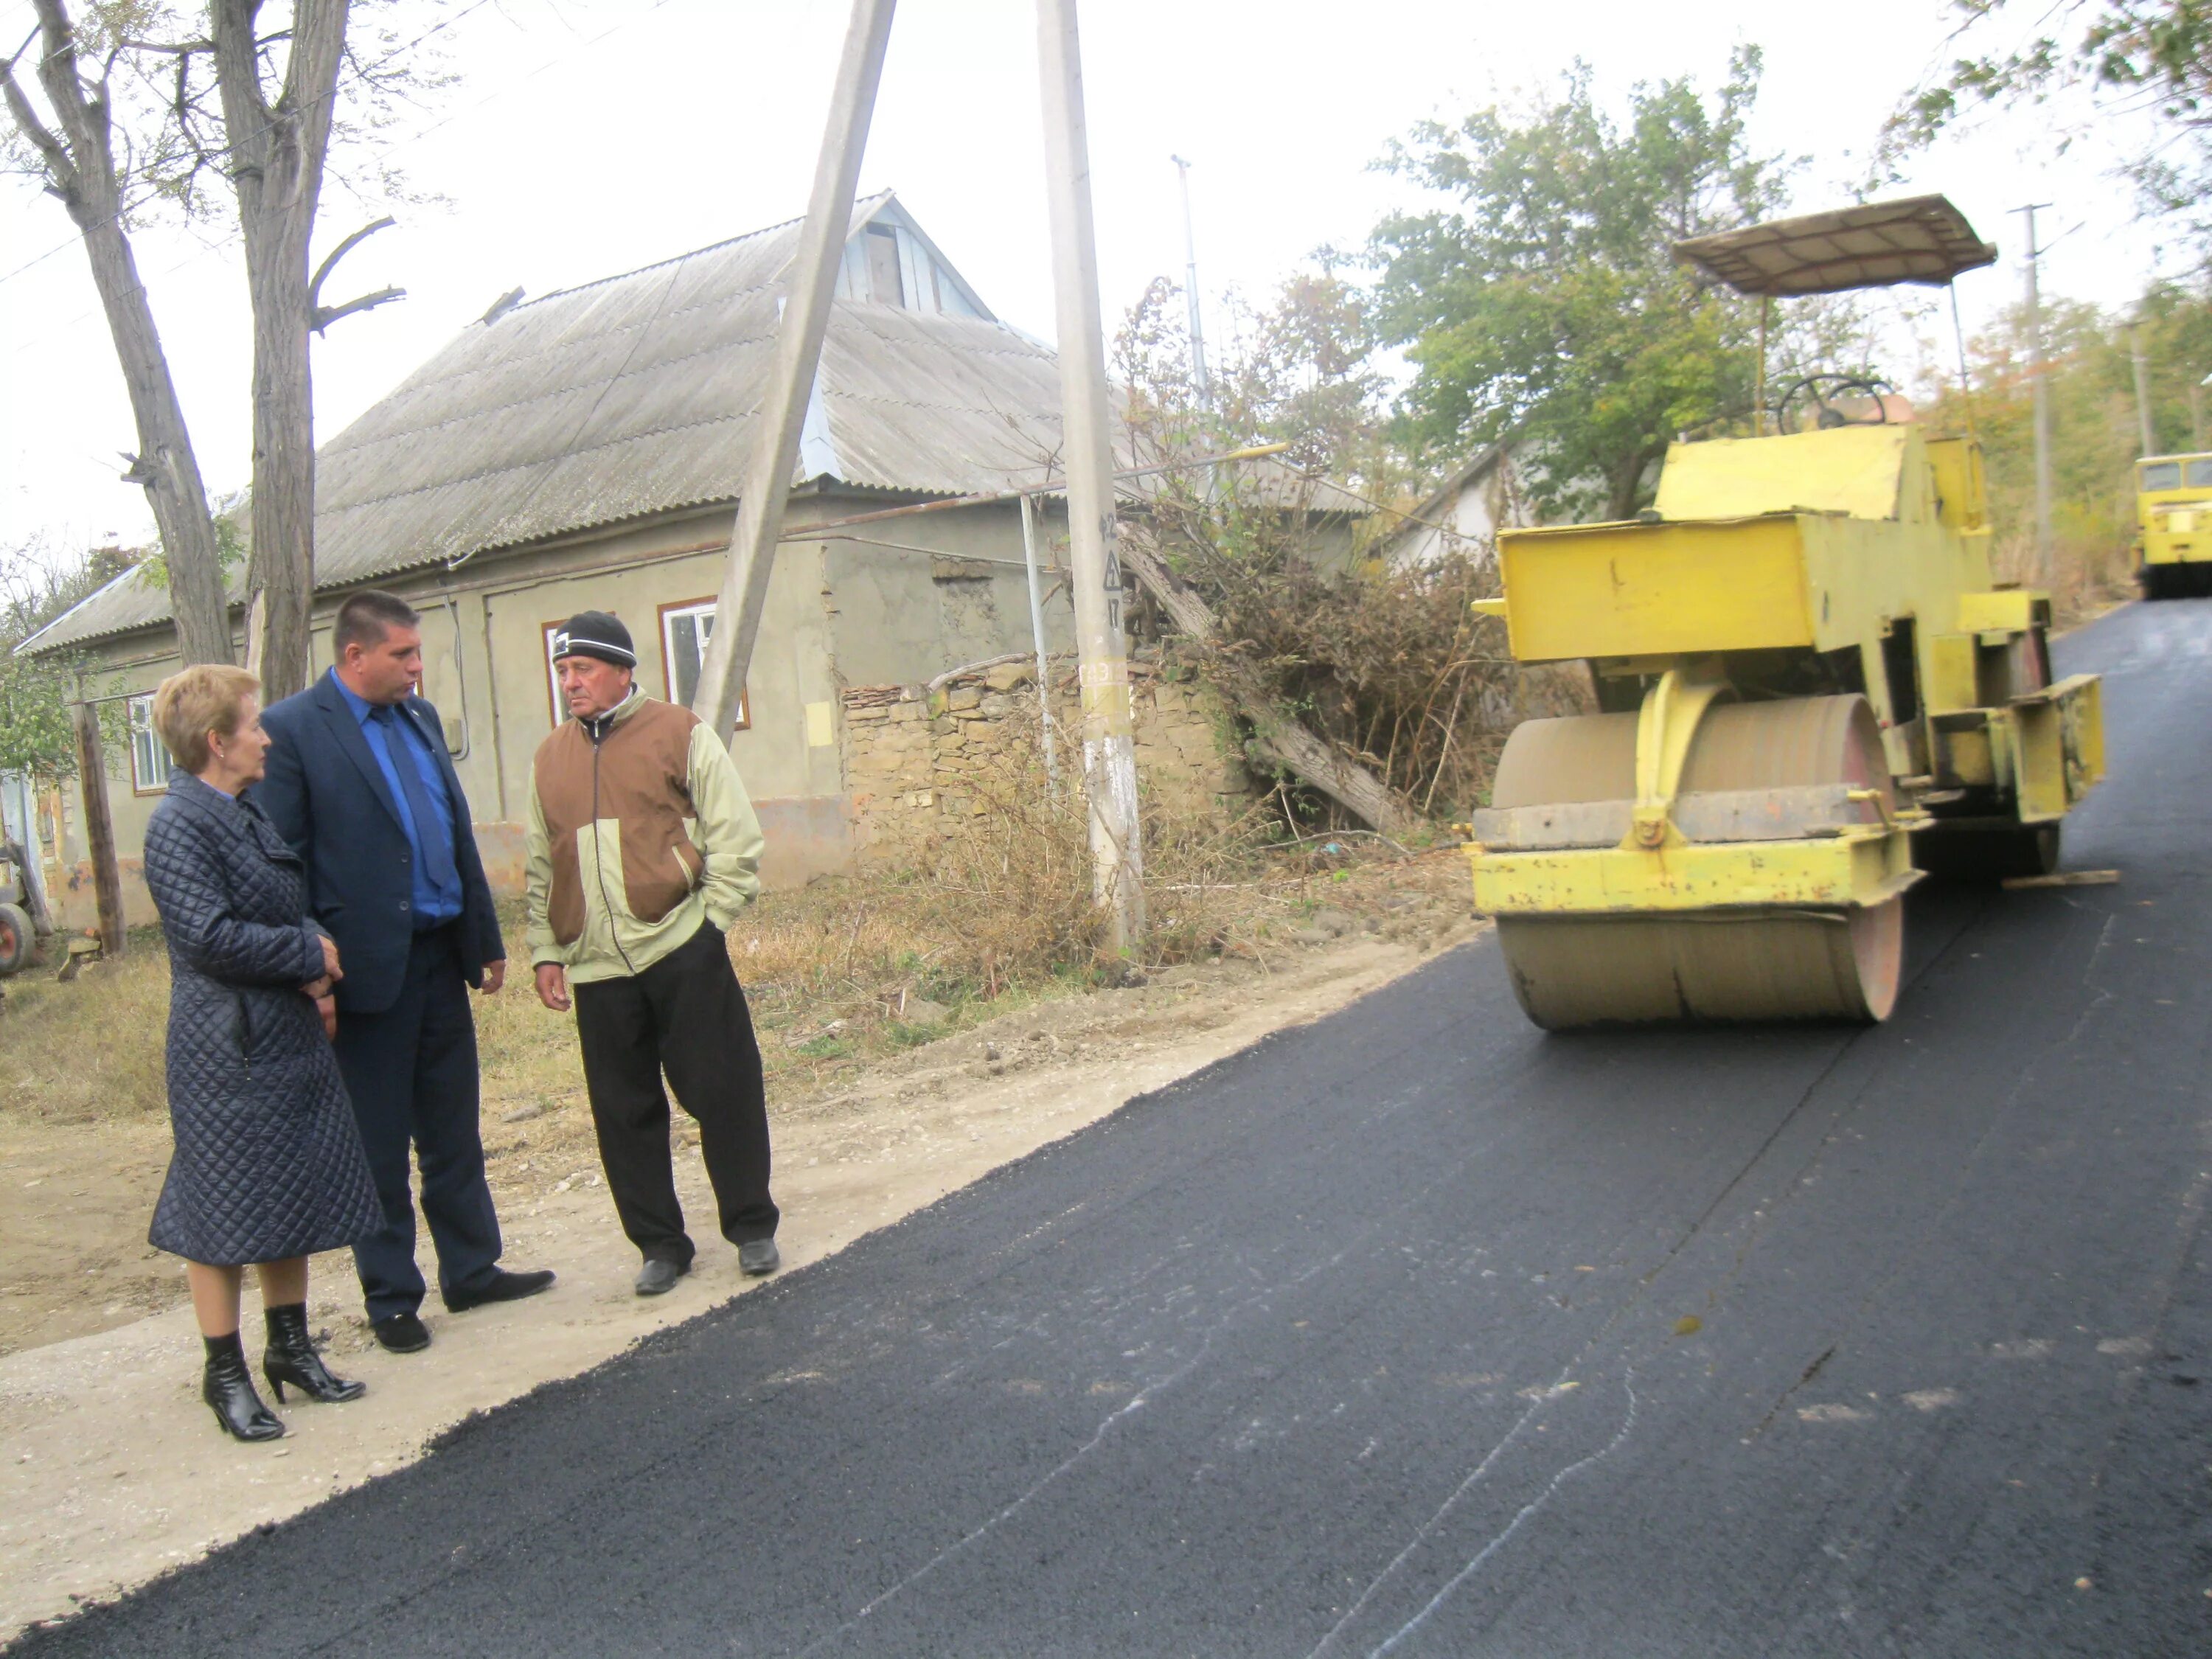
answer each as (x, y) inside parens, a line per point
(112, 1472)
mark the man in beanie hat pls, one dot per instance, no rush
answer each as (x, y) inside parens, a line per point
(642, 850)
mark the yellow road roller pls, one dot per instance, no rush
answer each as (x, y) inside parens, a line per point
(1810, 694)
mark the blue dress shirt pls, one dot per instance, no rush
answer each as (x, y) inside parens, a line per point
(434, 903)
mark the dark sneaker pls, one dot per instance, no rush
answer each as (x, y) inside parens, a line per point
(659, 1277)
(759, 1256)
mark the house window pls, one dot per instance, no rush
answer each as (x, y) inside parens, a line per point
(149, 756)
(685, 628)
(884, 282)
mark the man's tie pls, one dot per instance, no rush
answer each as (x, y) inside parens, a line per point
(436, 837)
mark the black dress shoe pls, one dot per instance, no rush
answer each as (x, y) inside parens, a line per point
(659, 1277)
(291, 1358)
(401, 1333)
(228, 1388)
(501, 1286)
(758, 1256)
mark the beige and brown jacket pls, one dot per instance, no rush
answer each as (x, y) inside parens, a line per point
(635, 839)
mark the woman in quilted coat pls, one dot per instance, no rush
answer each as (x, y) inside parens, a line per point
(268, 1167)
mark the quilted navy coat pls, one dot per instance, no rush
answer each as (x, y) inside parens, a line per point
(268, 1162)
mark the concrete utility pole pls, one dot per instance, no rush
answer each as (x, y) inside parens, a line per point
(813, 279)
(1198, 374)
(2142, 390)
(2039, 387)
(1109, 757)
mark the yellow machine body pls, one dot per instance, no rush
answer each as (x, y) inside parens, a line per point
(1820, 680)
(2173, 524)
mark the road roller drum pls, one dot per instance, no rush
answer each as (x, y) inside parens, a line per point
(1755, 963)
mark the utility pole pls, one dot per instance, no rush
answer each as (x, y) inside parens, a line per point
(2142, 389)
(813, 279)
(2041, 392)
(1198, 373)
(1109, 757)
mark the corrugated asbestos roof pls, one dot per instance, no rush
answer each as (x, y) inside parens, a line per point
(635, 396)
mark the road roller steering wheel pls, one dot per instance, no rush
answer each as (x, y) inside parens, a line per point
(1824, 390)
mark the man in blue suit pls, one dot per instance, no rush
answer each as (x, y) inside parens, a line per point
(360, 785)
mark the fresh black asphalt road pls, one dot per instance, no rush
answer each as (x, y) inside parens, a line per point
(1416, 1332)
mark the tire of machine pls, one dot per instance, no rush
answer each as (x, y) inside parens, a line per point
(1722, 965)
(14, 938)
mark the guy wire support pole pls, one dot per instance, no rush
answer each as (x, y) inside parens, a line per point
(1109, 757)
(1036, 634)
(2044, 570)
(813, 279)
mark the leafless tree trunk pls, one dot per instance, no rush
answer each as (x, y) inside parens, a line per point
(79, 162)
(276, 153)
(1279, 737)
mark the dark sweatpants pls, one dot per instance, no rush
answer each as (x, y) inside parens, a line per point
(685, 1015)
(411, 1071)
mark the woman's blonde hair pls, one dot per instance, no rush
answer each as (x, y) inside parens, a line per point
(190, 705)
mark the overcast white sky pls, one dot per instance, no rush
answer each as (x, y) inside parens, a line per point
(586, 137)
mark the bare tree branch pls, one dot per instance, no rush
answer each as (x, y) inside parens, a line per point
(315, 282)
(322, 317)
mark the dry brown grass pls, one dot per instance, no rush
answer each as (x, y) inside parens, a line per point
(90, 1049)
(2090, 573)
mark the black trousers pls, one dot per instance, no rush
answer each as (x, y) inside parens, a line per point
(411, 1071)
(686, 1015)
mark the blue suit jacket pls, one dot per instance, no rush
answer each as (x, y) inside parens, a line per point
(327, 797)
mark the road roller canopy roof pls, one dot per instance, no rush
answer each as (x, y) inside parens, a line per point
(1918, 239)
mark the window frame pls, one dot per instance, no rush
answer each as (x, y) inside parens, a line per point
(664, 616)
(545, 633)
(138, 714)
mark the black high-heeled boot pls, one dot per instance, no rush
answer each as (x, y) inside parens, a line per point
(228, 1388)
(291, 1358)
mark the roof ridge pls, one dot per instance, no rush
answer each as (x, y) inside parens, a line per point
(880, 197)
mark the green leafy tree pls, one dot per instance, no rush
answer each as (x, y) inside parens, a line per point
(2129, 57)
(1546, 301)
(36, 691)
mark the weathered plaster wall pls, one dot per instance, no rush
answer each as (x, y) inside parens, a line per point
(954, 591)
(919, 762)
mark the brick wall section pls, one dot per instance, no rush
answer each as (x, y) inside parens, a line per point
(918, 763)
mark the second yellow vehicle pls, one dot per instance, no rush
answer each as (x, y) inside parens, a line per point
(1810, 693)
(2173, 526)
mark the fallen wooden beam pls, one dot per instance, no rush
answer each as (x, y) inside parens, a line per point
(1277, 736)
(2063, 879)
